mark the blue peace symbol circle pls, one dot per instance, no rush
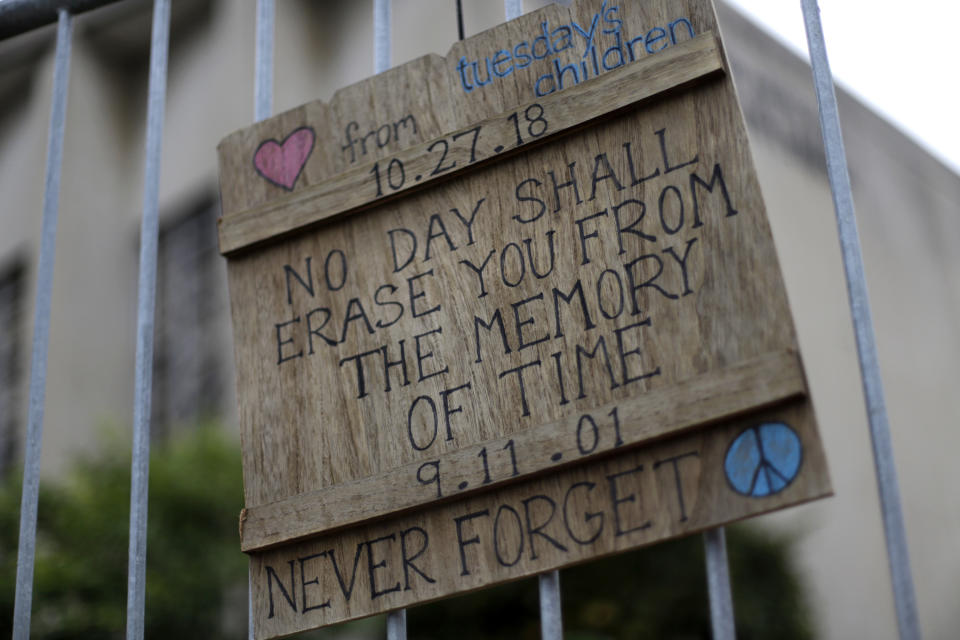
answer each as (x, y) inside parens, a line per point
(764, 459)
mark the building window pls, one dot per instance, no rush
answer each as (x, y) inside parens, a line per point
(191, 320)
(12, 292)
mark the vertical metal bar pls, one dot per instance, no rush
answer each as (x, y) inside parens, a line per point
(381, 35)
(263, 65)
(551, 618)
(41, 331)
(551, 621)
(722, 621)
(898, 556)
(551, 610)
(262, 109)
(718, 584)
(396, 620)
(397, 625)
(459, 20)
(250, 601)
(146, 288)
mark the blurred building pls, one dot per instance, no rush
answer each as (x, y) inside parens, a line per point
(906, 204)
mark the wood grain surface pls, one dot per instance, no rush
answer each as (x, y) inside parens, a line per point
(713, 396)
(471, 146)
(460, 285)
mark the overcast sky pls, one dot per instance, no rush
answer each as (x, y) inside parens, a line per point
(901, 63)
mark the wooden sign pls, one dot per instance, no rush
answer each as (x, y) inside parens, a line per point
(506, 311)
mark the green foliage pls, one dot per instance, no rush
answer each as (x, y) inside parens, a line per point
(193, 560)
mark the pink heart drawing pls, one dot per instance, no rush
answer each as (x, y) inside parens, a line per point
(281, 163)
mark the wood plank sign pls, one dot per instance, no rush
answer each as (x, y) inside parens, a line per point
(506, 311)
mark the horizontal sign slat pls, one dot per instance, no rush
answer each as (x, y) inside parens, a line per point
(473, 146)
(713, 396)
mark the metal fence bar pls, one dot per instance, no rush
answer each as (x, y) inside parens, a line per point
(146, 288)
(396, 620)
(41, 332)
(263, 65)
(893, 527)
(397, 625)
(262, 109)
(381, 35)
(551, 617)
(718, 585)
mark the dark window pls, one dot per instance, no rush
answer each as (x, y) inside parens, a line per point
(189, 363)
(11, 342)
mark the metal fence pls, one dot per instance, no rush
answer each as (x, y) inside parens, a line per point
(19, 16)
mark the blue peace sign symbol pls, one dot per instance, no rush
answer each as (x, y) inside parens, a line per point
(763, 459)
